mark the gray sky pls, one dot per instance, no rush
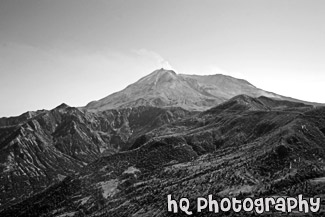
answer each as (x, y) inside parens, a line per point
(76, 51)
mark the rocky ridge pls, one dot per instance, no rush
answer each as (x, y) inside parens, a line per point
(41, 149)
(245, 147)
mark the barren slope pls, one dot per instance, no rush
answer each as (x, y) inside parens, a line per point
(165, 88)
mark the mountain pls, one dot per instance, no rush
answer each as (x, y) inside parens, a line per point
(38, 149)
(165, 88)
(166, 133)
(244, 147)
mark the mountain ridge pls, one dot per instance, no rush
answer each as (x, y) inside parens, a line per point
(166, 88)
(244, 147)
(166, 125)
(38, 148)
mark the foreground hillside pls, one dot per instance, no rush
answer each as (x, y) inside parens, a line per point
(245, 147)
(38, 149)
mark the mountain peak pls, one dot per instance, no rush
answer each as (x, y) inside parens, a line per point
(164, 71)
(159, 74)
(62, 106)
(165, 88)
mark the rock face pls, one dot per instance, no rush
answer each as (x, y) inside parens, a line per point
(244, 147)
(39, 149)
(165, 88)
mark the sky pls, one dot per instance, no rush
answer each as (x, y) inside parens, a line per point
(77, 51)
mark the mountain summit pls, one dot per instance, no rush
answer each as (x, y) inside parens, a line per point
(165, 88)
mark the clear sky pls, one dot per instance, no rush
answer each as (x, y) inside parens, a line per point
(76, 51)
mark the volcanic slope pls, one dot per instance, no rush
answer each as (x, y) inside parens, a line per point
(165, 88)
(245, 147)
